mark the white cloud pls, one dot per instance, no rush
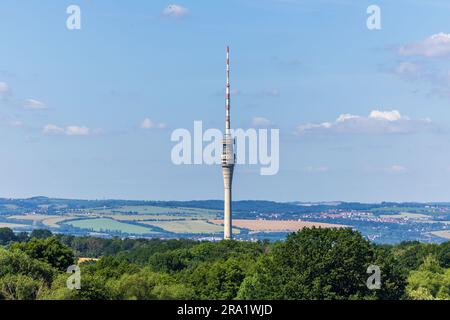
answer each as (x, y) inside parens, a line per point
(377, 122)
(175, 11)
(313, 126)
(34, 104)
(148, 123)
(393, 115)
(261, 122)
(437, 45)
(77, 131)
(70, 130)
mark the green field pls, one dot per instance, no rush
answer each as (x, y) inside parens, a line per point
(142, 217)
(150, 210)
(106, 224)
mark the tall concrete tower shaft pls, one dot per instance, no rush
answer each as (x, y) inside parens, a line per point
(228, 159)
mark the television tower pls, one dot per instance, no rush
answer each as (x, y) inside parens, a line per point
(228, 159)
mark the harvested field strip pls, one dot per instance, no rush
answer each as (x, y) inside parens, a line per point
(277, 225)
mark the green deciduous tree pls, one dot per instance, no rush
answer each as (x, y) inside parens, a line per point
(93, 287)
(6, 236)
(148, 285)
(20, 287)
(321, 264)
(40, 234)
(49, 250)
(430, 282)
(218, 280)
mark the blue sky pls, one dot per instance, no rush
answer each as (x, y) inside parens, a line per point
(363, 115)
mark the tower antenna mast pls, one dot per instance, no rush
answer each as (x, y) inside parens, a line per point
(228, 159)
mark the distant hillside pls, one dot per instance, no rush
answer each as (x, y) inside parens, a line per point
(251, 206)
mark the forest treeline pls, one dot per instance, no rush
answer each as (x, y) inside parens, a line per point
(310, 264)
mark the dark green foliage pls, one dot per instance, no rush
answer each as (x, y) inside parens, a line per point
(40, 234)
(21, 237)
(49, 250)
(93, 287)
(218, 280)
(146, 285)
(411, 254)
(134, 250)
(14, 262)
(20, 287)
(321, 264)
(6, 236)
(429, 282)
(443, 254)
(170, 261)
(110, 267)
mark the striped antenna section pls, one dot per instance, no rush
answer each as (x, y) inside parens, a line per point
(227, 97)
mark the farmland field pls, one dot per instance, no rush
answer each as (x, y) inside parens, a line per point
(12, 225)
(277, 225)
(187, 226)
(105, 224)
(31, 217)
(253, 220)
(53, 222)
(46, 220)
(442, 234)
(142, 217)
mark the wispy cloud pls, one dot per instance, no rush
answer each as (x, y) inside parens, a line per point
(34, 104)
(52, 129)
(427, 66)
(392, 169)
(377, 122)
(261, 122)
(148, 123)
(437, 77)
(410, 70)
(175, 11)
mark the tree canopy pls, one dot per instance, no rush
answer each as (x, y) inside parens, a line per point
(310, 264)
